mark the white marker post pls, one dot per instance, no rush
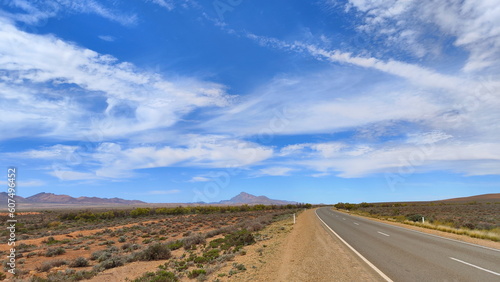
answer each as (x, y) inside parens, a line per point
(293, 218)
(423, 219)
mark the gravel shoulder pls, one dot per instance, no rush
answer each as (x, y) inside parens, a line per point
(307, 252)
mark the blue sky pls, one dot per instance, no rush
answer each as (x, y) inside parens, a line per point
(312, 101)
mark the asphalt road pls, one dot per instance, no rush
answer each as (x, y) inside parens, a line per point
(405, 255)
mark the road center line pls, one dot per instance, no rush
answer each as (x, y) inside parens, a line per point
(406, 229)
(343, 218)
(478, 267)
(356, 223)
(383, 233)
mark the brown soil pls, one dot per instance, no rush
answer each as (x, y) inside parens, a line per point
(130, 271)
(305, 251)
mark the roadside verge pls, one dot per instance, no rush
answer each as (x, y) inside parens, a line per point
(310, 253)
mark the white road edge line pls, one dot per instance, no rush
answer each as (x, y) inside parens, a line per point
(383, 233)
(356, 252)
(437, 236)
(478, 267)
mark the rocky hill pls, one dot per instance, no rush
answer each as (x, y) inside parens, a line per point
(245, 198)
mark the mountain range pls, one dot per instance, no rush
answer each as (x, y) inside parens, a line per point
(51, 198)
(46, 198)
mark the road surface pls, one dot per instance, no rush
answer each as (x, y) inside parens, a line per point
(401, 254)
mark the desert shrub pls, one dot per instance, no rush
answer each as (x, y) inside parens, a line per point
(154, 252)
(25, 247)
(52, 252)
(224, 258)
(100, 255)
(110, 263)
(213, 233)
(126, 246)
(80, 262)
(190, 241)
(196, 272)
(236, 239)
(254, 226)
(122, 239)
(207, 257)
(239, 266)
(47, 265)
(414, 217)
(53, 224)
(180, 265)
(200, 260)
(107, 243)
(82, 275)
(51, 241)
(469, 225)
(212, 254)
(216, 243)
(159, 276)
(174, 245)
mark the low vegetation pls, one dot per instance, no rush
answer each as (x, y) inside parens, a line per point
(474, 219)
(85, 243)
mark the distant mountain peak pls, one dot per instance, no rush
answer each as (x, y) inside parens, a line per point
(246, 198)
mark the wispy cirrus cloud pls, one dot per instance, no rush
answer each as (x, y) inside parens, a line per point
(56, 152)
(275, 171)
(63, 78)
(107, 38)
(472, 25)
(115, 161)
(34, 12)
(163, 192)
(199, 179)
(427, 154)
(414, 73)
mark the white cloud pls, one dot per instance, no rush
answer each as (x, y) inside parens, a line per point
(69, 175)
(108, 38)
(169, 5)
(335, 101)
(163, 192)
(404, 159)
(471, 24)
(50, 153)
(35, 12)
(112, 161)
(199, 179)
(275, 171)
(292, 149)
(416, 74)
(45, 80)
(428, 137)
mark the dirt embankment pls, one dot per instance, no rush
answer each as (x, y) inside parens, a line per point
(310, 253)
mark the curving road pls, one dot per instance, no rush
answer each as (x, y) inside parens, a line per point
(401, 254)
